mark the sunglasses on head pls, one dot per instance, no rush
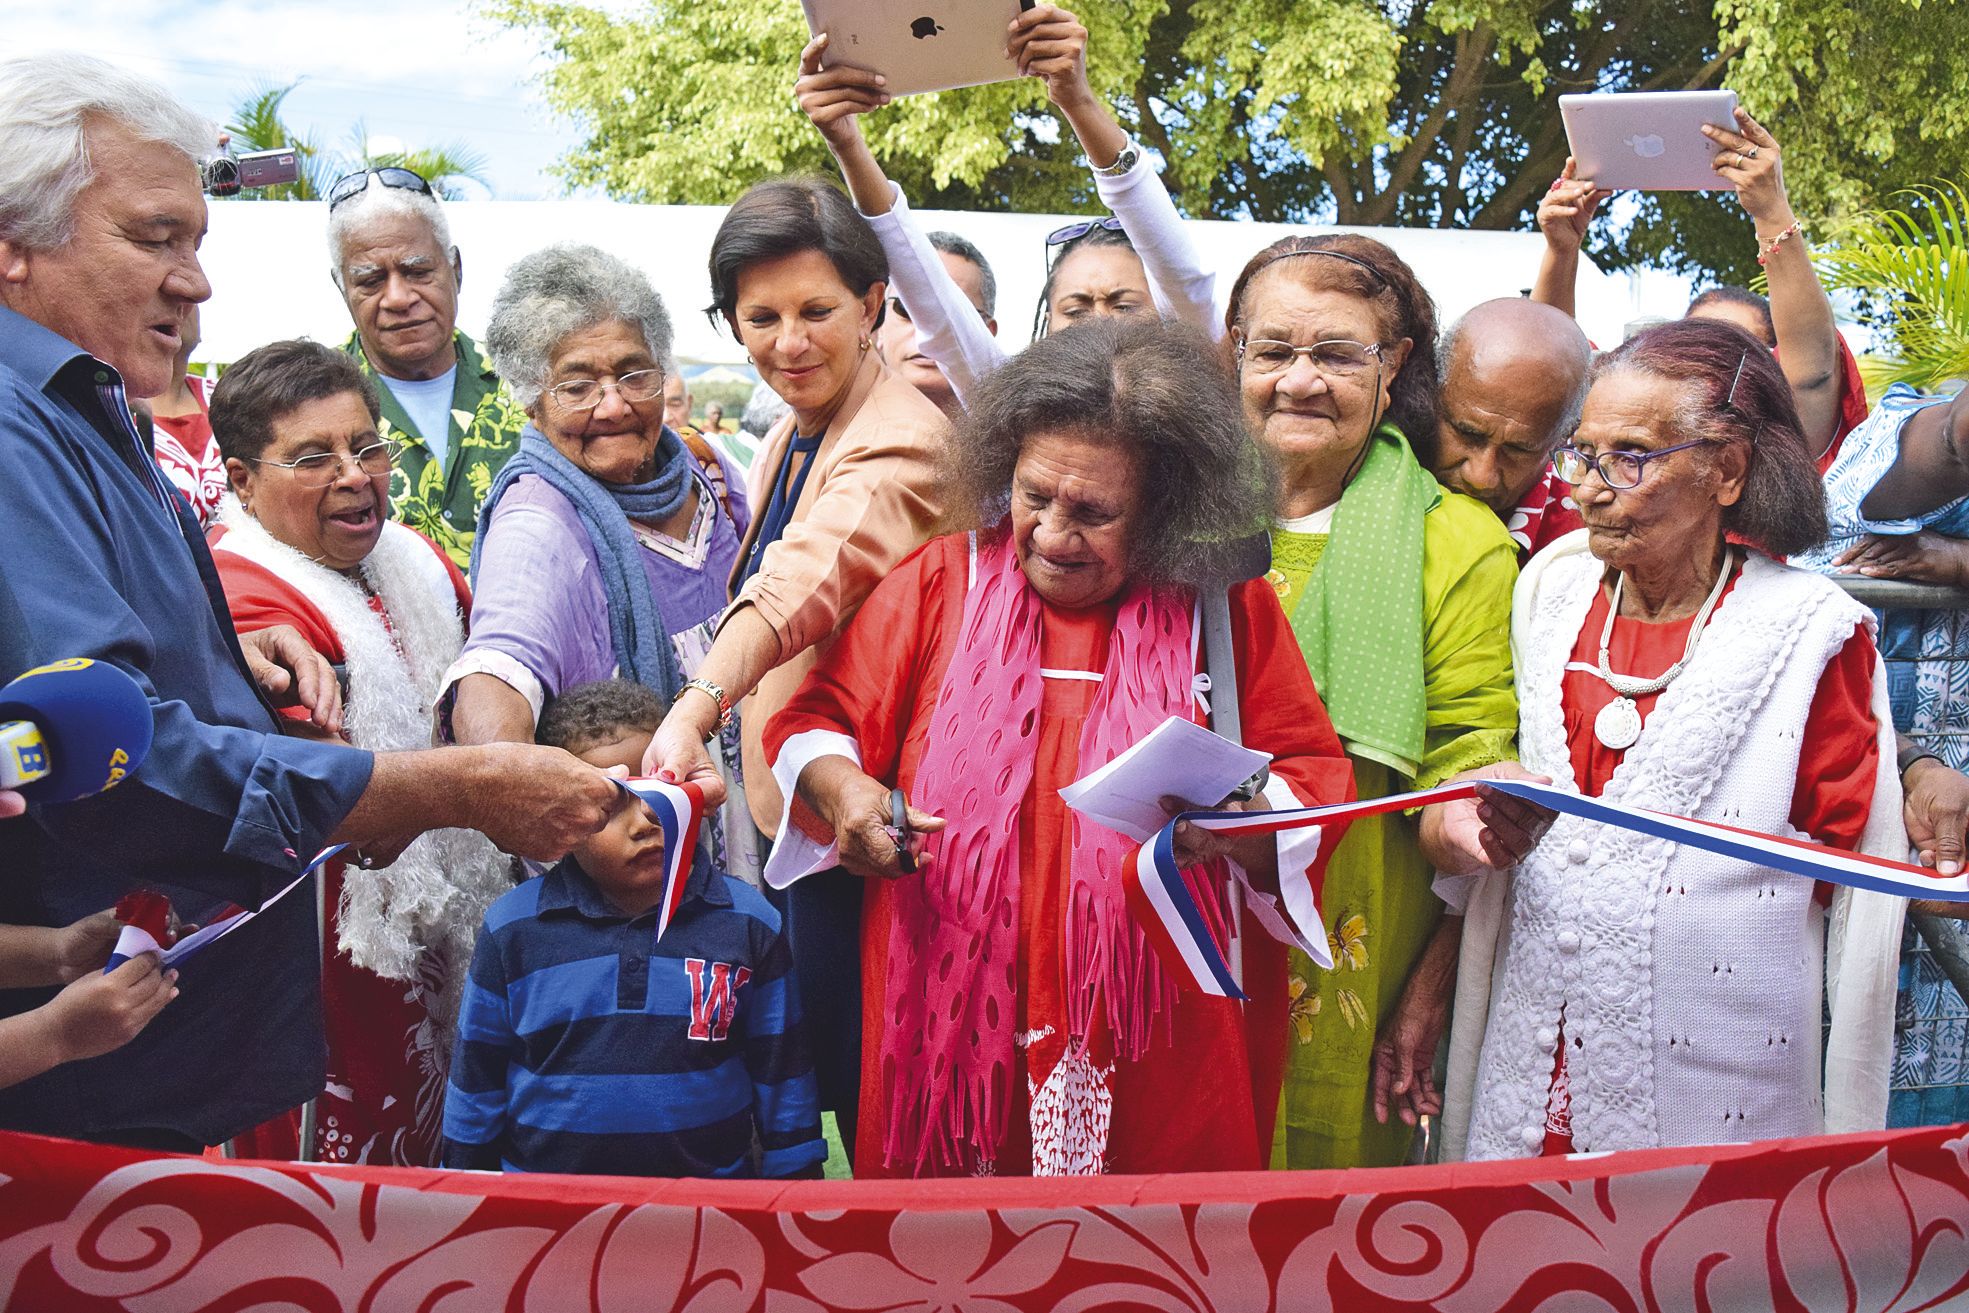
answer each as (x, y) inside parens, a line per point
(1073, 232)
(354, 184)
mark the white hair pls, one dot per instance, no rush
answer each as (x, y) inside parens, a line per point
(377, 201)
(46, 104)
(560, 290)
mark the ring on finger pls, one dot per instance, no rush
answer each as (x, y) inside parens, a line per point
(1750, 154)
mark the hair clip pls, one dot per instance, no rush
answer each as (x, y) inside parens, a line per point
(1730, 402)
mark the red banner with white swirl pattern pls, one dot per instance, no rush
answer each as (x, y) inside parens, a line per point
(1866, 1222)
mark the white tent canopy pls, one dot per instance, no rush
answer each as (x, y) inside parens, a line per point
(268, 262)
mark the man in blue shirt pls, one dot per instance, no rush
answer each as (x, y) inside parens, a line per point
(101, 215)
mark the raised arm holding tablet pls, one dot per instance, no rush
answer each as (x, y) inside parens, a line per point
(919, 45)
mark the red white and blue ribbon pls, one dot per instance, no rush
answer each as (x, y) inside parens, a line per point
(679, 809)
(1174, 925)
(148, 932)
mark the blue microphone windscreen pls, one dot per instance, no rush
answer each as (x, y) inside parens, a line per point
(95, 718)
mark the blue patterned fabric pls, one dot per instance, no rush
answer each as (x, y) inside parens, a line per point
(1927, 656)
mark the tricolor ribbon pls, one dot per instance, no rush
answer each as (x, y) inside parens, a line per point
(679, 809)
(148, 924)
(1174, 925)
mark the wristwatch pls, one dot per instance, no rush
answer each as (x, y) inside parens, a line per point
(718, 696)
(1131, 155)
(1911, 753)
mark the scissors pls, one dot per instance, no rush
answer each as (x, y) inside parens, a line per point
(899, 831)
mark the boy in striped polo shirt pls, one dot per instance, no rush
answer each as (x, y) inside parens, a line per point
(585, 1045)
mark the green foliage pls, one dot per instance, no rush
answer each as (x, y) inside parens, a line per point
(1437, 113)
(1910, 266)
(257, 124)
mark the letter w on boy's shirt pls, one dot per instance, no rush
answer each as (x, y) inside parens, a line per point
(584, 1045)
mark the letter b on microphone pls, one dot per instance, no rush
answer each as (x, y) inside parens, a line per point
(70, 729)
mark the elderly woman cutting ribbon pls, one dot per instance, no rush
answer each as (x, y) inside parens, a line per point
(1015, 1019)
(1620, 991)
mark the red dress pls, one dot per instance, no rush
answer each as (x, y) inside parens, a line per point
(1205, 1101)
(383, 1103)
(188, 455)
(1833, 793)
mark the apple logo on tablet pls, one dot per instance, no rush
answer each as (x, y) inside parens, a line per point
(924, 27)
(1646, 147)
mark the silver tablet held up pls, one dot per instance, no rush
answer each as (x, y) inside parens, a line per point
(1647, 140)
(919, 45)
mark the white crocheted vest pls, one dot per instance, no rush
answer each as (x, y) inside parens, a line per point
(1691, 984)
(434, 894)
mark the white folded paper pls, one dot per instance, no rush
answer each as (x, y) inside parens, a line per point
(1178, 758)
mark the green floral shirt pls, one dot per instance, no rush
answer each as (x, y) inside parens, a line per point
(443, 504)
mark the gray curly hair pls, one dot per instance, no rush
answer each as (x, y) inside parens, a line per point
(560, 290)
(45, 104)
(1156, 390)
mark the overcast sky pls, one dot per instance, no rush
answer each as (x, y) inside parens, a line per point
(423, 71)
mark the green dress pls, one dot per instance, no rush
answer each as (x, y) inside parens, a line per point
(443, 504)
(1377, 900)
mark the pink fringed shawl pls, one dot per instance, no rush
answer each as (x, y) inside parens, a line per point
(947, 1056)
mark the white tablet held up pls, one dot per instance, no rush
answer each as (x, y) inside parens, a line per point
(1647, 140)
(919, 45)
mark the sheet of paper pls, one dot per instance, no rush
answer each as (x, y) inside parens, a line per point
(1178, 758)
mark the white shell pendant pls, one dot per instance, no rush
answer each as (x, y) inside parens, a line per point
(1618, 725)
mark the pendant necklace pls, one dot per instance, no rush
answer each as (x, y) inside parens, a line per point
(1618, 725)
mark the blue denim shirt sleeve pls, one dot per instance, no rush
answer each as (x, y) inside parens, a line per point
(98, 567)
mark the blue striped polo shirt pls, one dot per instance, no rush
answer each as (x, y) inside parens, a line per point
(585, 1045)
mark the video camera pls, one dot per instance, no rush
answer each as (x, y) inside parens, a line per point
(227, 174)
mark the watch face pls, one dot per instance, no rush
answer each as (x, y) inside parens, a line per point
(1122, 162)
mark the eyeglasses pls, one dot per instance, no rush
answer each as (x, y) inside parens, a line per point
(324, 467)
(1335, 358)
(587, 393)
(354, 184)
(1617, 469)
(1073, 232)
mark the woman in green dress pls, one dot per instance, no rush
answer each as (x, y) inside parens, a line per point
(1400, 596)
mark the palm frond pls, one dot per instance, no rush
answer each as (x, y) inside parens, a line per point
(444, 166)
(1910, 267)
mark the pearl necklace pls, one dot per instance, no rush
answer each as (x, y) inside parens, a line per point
(1618, 725)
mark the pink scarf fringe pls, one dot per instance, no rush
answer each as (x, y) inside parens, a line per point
(951, 999)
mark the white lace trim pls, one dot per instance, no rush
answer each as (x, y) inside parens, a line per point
(434, 895)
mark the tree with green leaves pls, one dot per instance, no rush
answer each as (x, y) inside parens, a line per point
(258, 124)
(1435, 113)
(1909, 267)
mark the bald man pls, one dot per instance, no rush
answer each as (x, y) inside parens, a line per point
(1514, 377)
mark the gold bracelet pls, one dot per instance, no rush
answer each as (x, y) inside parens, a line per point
(718, 696)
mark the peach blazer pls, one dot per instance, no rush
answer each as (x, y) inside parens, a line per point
(872, 499)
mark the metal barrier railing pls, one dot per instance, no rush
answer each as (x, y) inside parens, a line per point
(1902, 594)
(1946, 939)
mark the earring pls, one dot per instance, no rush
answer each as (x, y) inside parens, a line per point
(749, 360)
(864, 344)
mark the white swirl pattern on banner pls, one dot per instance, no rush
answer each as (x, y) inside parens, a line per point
(1808, 1221)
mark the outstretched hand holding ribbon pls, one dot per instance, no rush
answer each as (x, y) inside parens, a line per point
(1170, 917)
